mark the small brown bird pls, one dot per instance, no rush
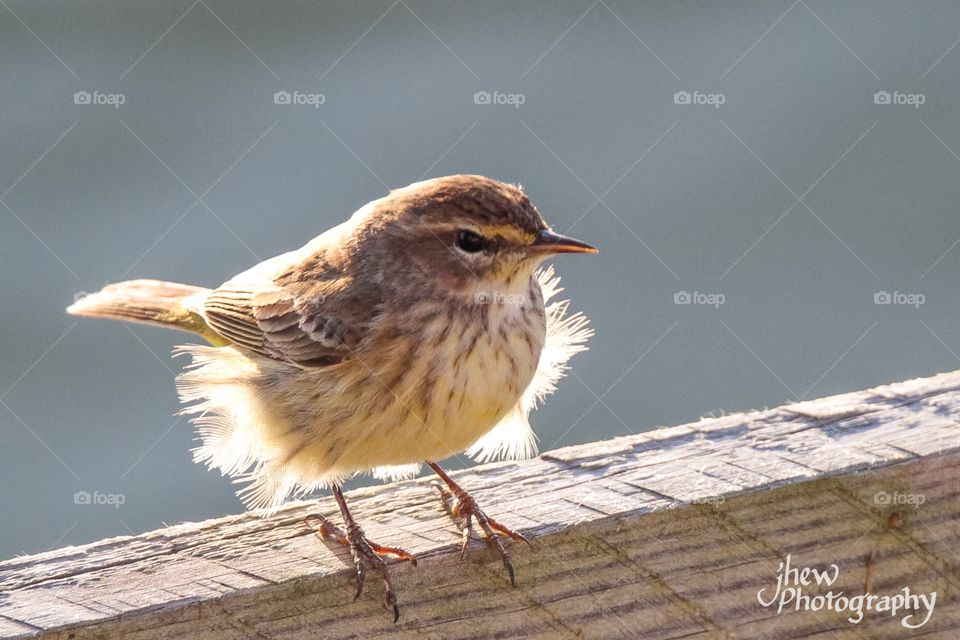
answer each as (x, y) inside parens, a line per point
(417, 329)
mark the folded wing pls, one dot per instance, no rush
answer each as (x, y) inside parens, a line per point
(316, 323)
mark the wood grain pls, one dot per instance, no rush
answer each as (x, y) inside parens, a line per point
(668, 534)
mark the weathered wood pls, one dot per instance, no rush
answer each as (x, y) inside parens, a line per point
(667, 534)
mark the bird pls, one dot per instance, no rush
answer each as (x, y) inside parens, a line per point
(421, 327)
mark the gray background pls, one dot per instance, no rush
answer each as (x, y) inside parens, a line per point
(679, 197)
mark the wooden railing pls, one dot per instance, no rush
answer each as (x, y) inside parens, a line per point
(667, 534)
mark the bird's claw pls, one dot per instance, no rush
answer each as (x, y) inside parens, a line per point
(366, 555)
(463, 510)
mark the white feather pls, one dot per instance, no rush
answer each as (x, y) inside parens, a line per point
(513, 438)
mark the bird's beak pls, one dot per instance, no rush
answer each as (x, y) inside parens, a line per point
(551, 242)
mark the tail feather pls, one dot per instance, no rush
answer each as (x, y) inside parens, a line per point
(154, 302)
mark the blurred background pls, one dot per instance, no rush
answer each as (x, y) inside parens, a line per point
(774, 188)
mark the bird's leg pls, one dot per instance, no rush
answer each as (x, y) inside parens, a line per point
(463, 509)
(366, 554)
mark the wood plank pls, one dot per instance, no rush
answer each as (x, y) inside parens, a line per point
(666, 534)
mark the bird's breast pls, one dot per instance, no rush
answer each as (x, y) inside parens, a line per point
(470, 367)
(492, 361)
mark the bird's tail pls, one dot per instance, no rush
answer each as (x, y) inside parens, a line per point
(164, 304)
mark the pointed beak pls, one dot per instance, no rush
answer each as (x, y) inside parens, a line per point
(551, 242)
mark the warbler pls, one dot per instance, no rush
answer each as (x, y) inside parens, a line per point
(420, 328)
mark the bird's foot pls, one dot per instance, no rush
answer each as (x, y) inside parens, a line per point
(366, 555)
(463, 510)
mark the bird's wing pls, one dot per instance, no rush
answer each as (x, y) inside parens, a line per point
(311, 322)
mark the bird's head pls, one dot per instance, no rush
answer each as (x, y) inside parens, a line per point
(464, 234)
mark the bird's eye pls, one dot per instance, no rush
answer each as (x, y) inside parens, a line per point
(469, 241)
